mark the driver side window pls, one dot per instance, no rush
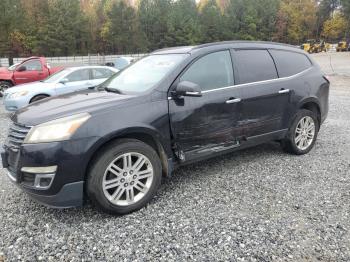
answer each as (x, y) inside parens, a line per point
(79, 75)
(32, 65)
(211, 71)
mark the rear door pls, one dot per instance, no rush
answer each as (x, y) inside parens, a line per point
(264, 99)
(207, 124)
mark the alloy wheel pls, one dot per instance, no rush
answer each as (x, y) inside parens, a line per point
(305, 133)
(127, 179)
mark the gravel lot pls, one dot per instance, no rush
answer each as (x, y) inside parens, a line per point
(258, 204)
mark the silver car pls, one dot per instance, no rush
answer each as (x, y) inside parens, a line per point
(65, 81)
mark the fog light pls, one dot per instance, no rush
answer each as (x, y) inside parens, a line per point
(43, 181)
(38, 177)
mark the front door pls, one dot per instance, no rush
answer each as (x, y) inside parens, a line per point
(207, 124)
(75, 81)
(32, 71)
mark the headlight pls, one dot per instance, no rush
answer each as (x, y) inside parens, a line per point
(18, 94)
(56, 130)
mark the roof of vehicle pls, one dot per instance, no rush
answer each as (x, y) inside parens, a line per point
(232, 44)
(90, 66)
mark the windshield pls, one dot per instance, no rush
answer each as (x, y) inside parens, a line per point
(144, 74)
(13, 67)
(56, 76)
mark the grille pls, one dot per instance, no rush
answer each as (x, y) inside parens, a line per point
(17, 134)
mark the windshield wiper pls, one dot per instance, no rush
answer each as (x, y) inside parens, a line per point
(112, 90)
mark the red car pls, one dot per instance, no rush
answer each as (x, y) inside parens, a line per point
(30, 70)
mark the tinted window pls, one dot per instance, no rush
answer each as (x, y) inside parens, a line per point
(290, 63)
(79, 75)
(100, 73)
(254, 66)
(211, 71)
(33, 65)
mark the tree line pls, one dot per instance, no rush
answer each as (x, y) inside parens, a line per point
(79, 27)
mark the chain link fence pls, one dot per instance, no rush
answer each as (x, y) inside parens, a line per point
(75, 60)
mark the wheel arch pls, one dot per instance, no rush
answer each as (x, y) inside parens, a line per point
(145, 135)
(40, 94)
(313, 105)
(8, 80)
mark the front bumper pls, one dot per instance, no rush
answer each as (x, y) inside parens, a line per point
(71, 159)
(14, 104)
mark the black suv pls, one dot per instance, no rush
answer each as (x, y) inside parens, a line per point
(113, 144)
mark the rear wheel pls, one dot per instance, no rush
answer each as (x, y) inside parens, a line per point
(4, 85)
(37, 98)
(124, 177)
(302, 134)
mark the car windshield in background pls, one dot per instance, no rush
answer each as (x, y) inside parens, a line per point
(144, 74)
(57, 76)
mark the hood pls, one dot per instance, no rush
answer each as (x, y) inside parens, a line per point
(5, 74)
(67, 105)
(4, 69)
(29, 87)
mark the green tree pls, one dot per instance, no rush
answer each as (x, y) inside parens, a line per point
(212, 22)
(121, 29)
(183, 27)
(153, 17)
(334, 28)
(11, 15)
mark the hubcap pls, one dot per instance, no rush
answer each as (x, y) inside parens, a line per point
(305, 133)
(127, 179)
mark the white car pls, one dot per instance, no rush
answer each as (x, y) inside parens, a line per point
(65, 81)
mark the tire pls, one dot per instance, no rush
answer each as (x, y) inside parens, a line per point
(4, 85)
(37, 98)
(104, 168)
(294, 139)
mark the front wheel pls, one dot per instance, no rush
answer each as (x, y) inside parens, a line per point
(4, 85)
(124, 177)
(302, 134)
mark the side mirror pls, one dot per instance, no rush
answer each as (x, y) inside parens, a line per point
(21, 69)
(64, 81)
(186, 88)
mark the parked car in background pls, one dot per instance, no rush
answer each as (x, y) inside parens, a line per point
(174, 107)
(121, 62)
(65, 81)
(30, 70)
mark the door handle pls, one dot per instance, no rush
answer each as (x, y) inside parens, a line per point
(283, 91)
(233, 100)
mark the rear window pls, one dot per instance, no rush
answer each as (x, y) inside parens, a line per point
(254, 66)
(290, 63)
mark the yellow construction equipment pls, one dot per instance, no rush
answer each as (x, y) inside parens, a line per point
(343, 46)
(311, 46)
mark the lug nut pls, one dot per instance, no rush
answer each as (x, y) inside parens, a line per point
(122, 180)
(135, 176)
(126, 184)
(130, 172)
(125, 174)
(132, 183)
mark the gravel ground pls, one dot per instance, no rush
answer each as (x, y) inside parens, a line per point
(258, 204)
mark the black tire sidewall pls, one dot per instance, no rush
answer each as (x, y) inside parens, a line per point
(37, 98)
(106, 156)
(291, 133)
